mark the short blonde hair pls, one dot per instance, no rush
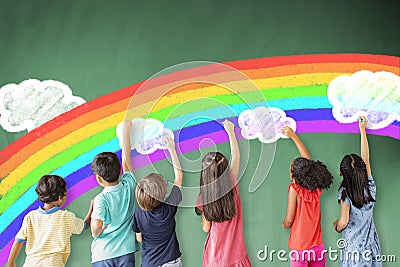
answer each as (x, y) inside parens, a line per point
(150, 191)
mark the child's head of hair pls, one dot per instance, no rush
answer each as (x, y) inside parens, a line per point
(310, 174)
(216, 188)
(107, 166)
(50, 188)
(355, 180)
(150, 191)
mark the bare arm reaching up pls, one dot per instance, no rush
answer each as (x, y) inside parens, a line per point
(169, 142)
(235, 152)
(362, 124)
(299, 144)
(126, 147)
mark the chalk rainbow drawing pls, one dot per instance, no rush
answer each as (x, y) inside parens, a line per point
(67, 144)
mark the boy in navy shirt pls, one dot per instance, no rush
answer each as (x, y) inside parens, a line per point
(154, 220)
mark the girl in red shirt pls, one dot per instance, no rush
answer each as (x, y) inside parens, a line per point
(303, 214)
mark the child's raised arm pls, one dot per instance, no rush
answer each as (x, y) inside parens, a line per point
(169, 142)
(126, 147)
(235, 152)
(362, 124)
(299, 144)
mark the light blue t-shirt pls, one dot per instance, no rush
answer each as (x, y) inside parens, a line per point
(115, 206)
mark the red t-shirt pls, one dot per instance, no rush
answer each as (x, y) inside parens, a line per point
(306, 229)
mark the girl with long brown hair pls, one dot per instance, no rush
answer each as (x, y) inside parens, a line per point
(220, 206)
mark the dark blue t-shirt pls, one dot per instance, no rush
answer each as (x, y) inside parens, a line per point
(159, 242)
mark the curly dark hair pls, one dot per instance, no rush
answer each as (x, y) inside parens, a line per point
(355, 182)
(311, 174)
(50, 188)
(107, 166)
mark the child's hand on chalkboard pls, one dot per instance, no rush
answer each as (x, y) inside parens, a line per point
(229, 126)
(169, 143)
(288, 132)
(362, 122)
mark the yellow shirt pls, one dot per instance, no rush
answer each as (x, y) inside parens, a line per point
(47, 234)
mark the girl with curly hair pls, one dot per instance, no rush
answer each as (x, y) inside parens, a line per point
(356, 197)
(303, 215)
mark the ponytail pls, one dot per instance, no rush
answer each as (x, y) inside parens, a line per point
(216, 189)
(355, 183)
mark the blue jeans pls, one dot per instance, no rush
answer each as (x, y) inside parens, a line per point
(127, 260)
(175, 263)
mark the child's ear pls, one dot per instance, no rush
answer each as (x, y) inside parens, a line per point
(98, 178)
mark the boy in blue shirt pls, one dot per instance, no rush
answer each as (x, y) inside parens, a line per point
(154, 221)
(114, 241)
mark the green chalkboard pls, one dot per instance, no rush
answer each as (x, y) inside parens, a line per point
(97, 47)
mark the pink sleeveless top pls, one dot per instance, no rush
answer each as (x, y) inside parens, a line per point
(225, 242)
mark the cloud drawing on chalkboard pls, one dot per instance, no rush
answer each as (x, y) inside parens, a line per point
(365, 93)
(146, 135)
(31, 103)
(264, 123)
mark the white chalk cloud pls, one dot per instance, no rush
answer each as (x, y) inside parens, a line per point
(365, 93)
(264, 123)
(146, 135)
(31, 103)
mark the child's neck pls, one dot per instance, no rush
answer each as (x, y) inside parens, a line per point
(49, 206)
(105, 184)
